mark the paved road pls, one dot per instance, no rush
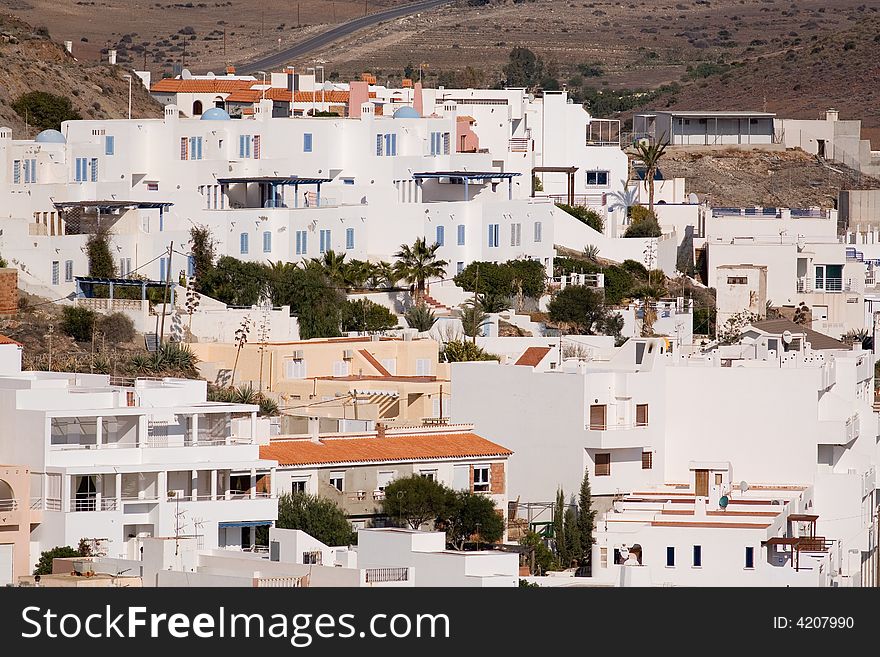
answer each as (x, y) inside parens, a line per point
(279, 59)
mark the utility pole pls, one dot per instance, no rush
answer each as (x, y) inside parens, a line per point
(51, 331)
(183, 63)
(441, 402)
(365, 7)
(476, 286)
(298, 21)
(224, 46)
(165, 294)
(877, 552)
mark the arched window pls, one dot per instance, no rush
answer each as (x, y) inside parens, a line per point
(197, 108)
(218, 102)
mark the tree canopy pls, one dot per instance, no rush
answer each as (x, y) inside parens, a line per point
(45, 110)
(504, 279)
(582, 309)
(317, 516)
(417, 500)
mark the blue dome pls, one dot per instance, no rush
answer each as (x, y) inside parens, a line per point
(406, 113)
(215, 114)
(50, 137)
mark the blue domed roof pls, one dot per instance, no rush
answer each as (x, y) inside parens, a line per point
(50, 137)
(406, 113)
(215, 114)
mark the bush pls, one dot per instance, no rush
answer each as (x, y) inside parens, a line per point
(116, 328)
(44, 110)
(101, 263)
(44, 565)
(420, 317)
(318, 517)
(643, 223)
(585, 215)
(78, 322)
(504, 280)
(365, 315)
(459, 351)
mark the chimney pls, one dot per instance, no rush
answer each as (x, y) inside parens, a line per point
(172, 113)
(831, 114)
(380, 429)
(111, 57)
(68, 46)
(314, 429)
(417, 99)
(359, 93)
(230, 70)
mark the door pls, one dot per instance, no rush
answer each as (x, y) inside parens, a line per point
(597, 416)
(701, 483)
(820, 143)
(6, 554)
(820, 277)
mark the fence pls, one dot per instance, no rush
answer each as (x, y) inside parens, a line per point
(381, 575)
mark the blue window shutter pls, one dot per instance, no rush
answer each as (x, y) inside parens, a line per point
(94, 169)
(68, 271)
(349, 238)
(490, 235)
(267, 241)
(378, 144)
(109, 145)
(190, 266)
(33, 171)
(461, 234)
(163, 268)
(394, 144)
(199, 148)
(16, 171)
(440, 235)
(307, 142)
(243, 239)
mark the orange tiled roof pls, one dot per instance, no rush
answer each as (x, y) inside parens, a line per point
(411, 447)
(321, 96)
(5, 339)
(174, 85)
(532, 356)
(254, 95)
(465, 117)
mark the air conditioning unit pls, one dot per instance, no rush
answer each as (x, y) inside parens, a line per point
(348, 354)
(298, 354)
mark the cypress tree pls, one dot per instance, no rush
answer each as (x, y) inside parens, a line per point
(585, 521)
(559, 529)
(101, 263)
(572, 538)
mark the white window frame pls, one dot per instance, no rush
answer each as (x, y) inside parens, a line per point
(483, 485)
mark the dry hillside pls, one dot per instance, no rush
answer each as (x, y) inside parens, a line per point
(31, 61)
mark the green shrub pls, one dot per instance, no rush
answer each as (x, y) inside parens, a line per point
(78, 322)
(116, 328)
(44, 110)
(585, 215)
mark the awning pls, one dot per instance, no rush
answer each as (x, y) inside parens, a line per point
(245, 523)
(275, 180)
(466, 175)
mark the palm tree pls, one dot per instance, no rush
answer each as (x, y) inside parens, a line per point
(356, 273)
(332, 264)
(389, 274)
(472, 318)
(650, 154)
(419, 263)
(493, 303)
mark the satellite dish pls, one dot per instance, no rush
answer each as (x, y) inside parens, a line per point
(743, 486)
(693, 199)
(185, 74)
(328, 86)
(210, 74)
(786, 337)
(723, 501)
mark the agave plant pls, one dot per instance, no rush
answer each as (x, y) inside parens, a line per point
(140, 364)
(268, 407)
(591, 252)
(420, 317)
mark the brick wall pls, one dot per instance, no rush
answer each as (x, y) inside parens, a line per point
(496, 478)
(8, 291)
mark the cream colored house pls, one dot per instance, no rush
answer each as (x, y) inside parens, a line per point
(374, 378)
(16, 518)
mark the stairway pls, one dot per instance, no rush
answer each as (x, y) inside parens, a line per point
(436, 306)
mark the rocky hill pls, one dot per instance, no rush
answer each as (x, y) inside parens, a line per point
(31, 61)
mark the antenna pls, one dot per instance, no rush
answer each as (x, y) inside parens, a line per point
(743, 486)
(786, 337)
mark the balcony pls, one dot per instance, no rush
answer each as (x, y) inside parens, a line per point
(8, 505)
(280, 582)
(807, 284)
(385, 575)
(617, 436)
(519, 144)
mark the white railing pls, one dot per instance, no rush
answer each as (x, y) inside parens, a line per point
(807, 284)
(615, 427)
(379, 575)
(589, 280)
(518, 144)
(279, 582)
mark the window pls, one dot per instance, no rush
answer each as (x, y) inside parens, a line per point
(719, 478)
(670, 557)
(55, 272)
(750, 557)
(698, 556)
(493, 235)
(647, 460)
(184, 148)
(81, 169)
(459, 267)
(190, 266)
(423, 367)
(195, 148)
(597, 178)
(295, 368)
(429, 474)
(313, 557)
(386, 144)
(481, 478)
(460, 234)
(348, 181)
(16, 172)
(446, 142)
(379, 145)
(267, 241)
(124, 267)
(515, 234)
(163, 269)
(341, 368)
(307, 142)
(440, 235)
(598, 417)
(325, 241)
(298, 486)
(243, 243)
(257, 147)
(539, 231)
(94, 169)
(390, 364)
(383, 478)
(737, 280)
(301, 243)
(30, 171)
(109, 145)
(436, 142)
(603, 465)
(349, 238)
(337, 480)
(68, 271)
(641, 415)
(244, 146)
(603, 557)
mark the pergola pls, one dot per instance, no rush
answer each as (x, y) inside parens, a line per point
(798, 544)
(273, 184)
(569, 171)
(112, 207)
(85, 286)
(467, 177)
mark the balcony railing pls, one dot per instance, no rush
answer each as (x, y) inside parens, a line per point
(380, 575)
(279, 582)
(595, 426)
(807, 284)
(8, 505)
(519, 144)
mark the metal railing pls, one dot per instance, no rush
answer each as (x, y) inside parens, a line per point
(8, 505)
(379, 575)
(519, 144)
(808, 284)
(616, 427)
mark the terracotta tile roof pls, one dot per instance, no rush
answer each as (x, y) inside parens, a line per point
(174, 85)
(465, 117)
(409, 447)
(817, 340)
(383, 338)
(389, 378)
(254, 95)
(328, 96)
(5, 339)
(532, 356)
(375, 363)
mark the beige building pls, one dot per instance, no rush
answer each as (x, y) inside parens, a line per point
(16, 518)
(366, 379)
(354, 469)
